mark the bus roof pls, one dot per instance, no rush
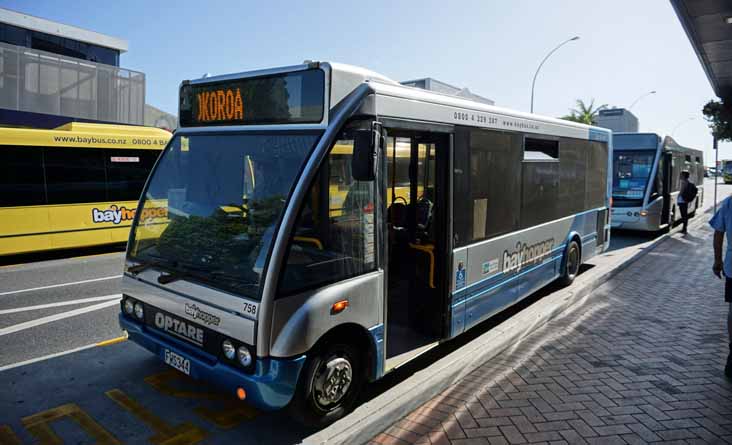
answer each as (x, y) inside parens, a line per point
(635, 142)
(81, 134)
(396, 101)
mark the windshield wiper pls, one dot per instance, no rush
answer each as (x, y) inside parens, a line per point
(157, 261)
(205, 275)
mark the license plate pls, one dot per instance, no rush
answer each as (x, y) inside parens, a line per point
(178, 362)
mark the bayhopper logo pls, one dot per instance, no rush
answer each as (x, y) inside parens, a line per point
(117, 215)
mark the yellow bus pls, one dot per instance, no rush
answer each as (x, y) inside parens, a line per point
(74, 186)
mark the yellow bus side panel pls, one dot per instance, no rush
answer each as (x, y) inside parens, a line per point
(27, 229)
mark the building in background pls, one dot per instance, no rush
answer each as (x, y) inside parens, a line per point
(155, 117)
(51, 74)
(437, 86)
(618, 120)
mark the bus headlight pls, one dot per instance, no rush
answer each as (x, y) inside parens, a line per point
(139, 312)
(229, 349)
(244, 356)
(643, 213)
(129, 306)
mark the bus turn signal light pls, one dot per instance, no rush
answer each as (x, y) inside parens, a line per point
(241, 393)
(338, 307)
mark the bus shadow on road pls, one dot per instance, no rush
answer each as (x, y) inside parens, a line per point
(62, 254)
(425, 360)
(620, 239)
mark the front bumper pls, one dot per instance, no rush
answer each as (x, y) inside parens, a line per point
(270, 387)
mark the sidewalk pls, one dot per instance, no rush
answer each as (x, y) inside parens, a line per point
(640, 361)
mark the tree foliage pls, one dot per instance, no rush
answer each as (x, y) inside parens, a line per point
(584, 113)
(719, 116)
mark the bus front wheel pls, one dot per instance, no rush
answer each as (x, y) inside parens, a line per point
(572, 262)
(329, 385)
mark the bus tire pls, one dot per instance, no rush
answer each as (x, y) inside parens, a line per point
(320, 397)
(572, 262)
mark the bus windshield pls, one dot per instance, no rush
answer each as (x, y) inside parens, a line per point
(212, 205)
(631, 171)
(728, 168)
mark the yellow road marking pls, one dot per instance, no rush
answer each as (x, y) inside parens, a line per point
(184, 434)
(228, 412)
(39, 425)
(112, 341)
(7, 436)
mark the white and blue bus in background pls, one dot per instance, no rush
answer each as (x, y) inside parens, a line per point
(646, 172)
(311, 228)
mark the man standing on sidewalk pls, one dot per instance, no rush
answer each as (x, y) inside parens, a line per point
(721, 222)
(682, 202)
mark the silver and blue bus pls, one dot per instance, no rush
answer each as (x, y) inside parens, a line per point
(310, 228)
(646, 172)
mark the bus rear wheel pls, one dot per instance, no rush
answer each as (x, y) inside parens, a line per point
(329, 385)
(572, 263)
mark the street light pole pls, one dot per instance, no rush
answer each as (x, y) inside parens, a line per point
(533, 83)
(680, 124)
(715, 145)
(639, 98)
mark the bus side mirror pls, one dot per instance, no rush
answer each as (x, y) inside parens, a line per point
(363, 163)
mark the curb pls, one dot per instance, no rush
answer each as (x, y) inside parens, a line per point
(380, 413)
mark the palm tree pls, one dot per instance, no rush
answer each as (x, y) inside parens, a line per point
(585, 114)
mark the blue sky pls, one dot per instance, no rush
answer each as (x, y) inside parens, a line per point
(626, 48)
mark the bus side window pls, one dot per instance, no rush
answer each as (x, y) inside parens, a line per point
(334, 237)
(127, 172)
(21, 176)
(75, 175)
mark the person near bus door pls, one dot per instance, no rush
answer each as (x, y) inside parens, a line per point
(721, 222)
(682, 202)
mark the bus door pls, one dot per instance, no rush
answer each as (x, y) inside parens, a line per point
(417, 205)
(665, 170)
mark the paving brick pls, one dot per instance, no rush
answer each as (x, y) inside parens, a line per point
(482, 432)
(552, 426)
(643, 432)
(453, 429)
(633, 439)
(471, 441)
(402, 434)
(494, 421)
(607, 440)
(611, 430)
(543, 436)
(590, 418)
(560, 415)
(678, 423)
(512, 434)
(572, 437)
(386, 439)
(678, 434)
(582, 428)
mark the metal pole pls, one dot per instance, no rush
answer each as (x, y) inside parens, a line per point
(680, 124)
(639, 98)
(716, 170)
(533, 83)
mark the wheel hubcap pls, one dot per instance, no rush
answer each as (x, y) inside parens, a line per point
(332, 381)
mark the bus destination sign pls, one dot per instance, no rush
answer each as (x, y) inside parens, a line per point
(286, 98)
(222, 104)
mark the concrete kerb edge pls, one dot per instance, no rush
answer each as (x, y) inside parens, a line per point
(388, 408)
